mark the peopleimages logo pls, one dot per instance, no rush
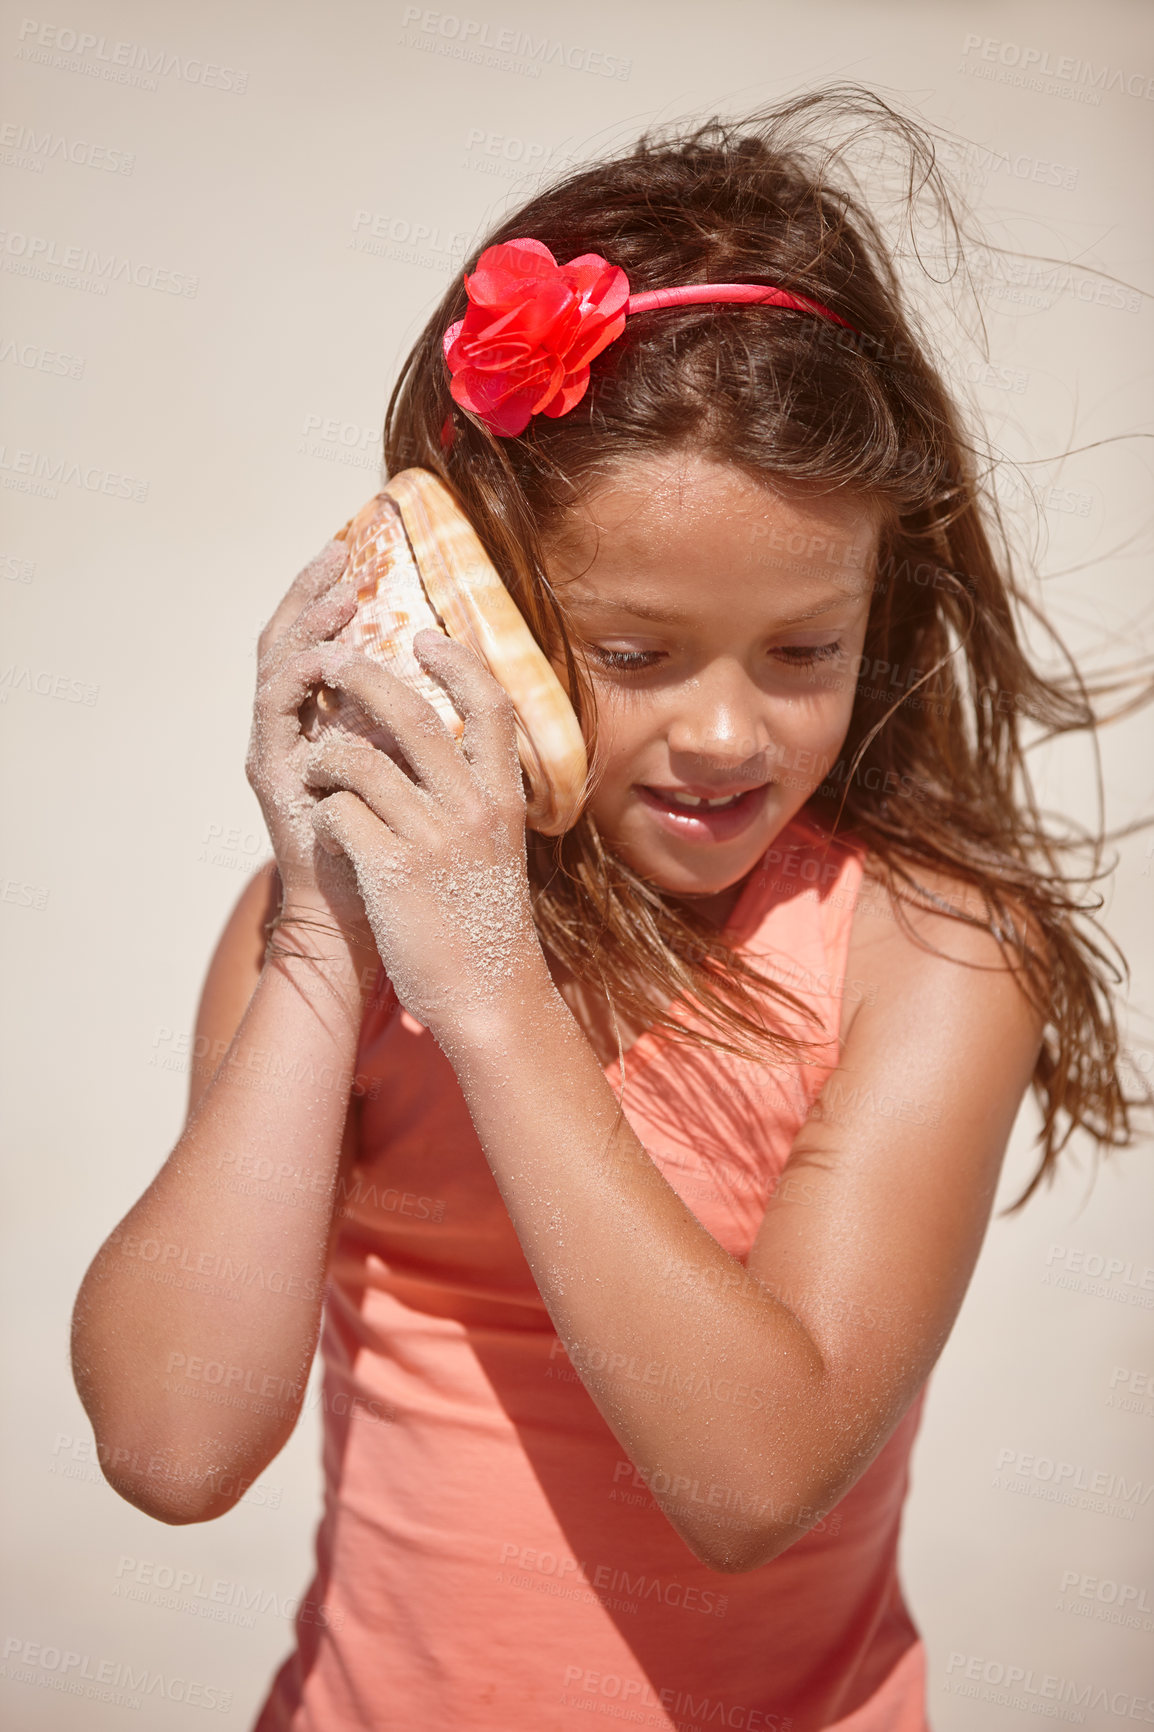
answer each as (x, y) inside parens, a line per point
(221, 1598)
(45, 684)
(976, 162)
(616, 1697)
(23, 147)
(36, 359)
(1023, 1687)
(76, 1674)
(1071, 1482)
(506, 47)
(41, 472)
(1105, 1600)
(44, 257)
(1035, 64)
(69, 50)
(1119, 1279)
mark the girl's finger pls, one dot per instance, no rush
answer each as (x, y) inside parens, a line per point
(321, 572)
(319, 620)
(429, 747)
(345, 821)
(490, 738)
(284, 687)
(351, 764)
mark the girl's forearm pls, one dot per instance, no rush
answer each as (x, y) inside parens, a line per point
(637, 1287)
(196, 1323)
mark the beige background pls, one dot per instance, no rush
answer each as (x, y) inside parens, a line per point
(250, 407)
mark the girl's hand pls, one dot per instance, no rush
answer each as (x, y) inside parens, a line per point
(293, 657)
(440, 856)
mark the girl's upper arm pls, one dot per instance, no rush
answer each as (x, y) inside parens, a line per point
(231, 979)
(873, 1233)
(228, 988)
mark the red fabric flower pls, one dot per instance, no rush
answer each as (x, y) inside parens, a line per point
(532, 328)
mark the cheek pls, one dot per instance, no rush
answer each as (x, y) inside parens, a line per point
(625, 724)
(821, 712)
(808, 734)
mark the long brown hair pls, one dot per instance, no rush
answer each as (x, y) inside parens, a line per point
(932, 772)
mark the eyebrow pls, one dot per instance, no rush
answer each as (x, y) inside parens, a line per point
(668, 616)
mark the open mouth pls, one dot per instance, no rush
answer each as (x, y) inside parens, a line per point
(701, 818)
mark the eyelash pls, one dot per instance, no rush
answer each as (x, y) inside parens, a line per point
(623, 661)
(635, 661)
(805, 655)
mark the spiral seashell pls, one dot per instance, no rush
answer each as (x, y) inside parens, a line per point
(418, 562)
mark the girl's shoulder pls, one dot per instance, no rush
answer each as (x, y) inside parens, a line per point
(939, 931)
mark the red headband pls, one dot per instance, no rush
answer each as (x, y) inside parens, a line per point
(533, 326)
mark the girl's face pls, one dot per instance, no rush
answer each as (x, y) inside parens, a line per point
(720, 622)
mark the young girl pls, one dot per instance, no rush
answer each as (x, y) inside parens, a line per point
(642, 1171)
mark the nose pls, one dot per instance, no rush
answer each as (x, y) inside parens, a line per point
(722, 717)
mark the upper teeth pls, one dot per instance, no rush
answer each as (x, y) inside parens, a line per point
(680, 799)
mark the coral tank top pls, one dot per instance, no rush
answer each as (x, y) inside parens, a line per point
(488, 1559)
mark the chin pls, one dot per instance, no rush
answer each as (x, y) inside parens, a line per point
(685, 884)
(680, 878)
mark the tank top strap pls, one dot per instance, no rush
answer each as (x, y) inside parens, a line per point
(793, 922)
(808, 879)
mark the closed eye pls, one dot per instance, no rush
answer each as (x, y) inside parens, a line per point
(624, 661)
(634, 661)
(805, 655)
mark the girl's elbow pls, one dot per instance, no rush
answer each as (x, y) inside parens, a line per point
(751, 1551)
(734, 1551)
(170, 1479)
(174, 1505)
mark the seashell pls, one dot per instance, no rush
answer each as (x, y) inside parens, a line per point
(418, 562)
(391, 608)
